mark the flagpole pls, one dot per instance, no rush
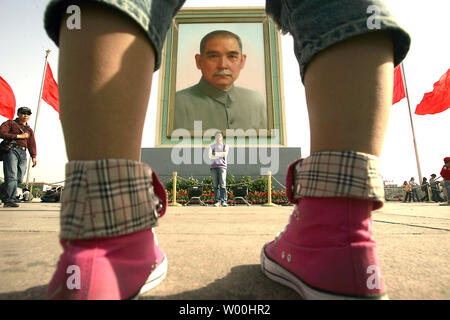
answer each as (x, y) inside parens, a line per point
(412, 124)
(47, 52)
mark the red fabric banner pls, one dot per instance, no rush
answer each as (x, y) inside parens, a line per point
(438, 100)
(399, 88)
(7, 100)
(50, 90)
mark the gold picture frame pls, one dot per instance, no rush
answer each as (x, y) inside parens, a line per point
(189, 21)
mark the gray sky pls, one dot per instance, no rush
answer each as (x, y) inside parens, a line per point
(24, 42)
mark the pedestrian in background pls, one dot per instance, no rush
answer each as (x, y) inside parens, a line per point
(218, 152)
(15, 160)
(435, 196)
(424, 187)
(406, 191)
(445, 173)
(414, 188)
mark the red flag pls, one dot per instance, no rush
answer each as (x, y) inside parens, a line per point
(7, 100)
(50, 90)
(438, 100)
(399, 88)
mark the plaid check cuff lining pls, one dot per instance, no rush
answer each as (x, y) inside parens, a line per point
(339, 174)
(107, 198)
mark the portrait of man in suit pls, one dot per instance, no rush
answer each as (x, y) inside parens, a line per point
(215, 99)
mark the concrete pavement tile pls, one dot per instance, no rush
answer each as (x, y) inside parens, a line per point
(213, 253)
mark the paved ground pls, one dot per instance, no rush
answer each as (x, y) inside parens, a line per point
(213, 253)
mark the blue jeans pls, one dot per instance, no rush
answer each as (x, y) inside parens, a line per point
(447, 188)
(314, 24)
(219, 176)
(14, 167)
(436, 196)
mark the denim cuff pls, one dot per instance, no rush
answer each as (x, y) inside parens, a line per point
(153, 17)
(318, 24)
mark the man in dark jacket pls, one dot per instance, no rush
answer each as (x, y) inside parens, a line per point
(434, 185)
(15, 161)
(414, 188)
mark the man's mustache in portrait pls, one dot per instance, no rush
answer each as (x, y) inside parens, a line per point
(222, 73)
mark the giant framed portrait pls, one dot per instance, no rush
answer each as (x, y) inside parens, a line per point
(221, 71)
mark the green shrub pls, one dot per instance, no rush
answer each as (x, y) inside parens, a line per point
(185, 183)
(182, 184)
(169, 184)
(245, 180)
(259, 184)
(208, 184)
(230, 179)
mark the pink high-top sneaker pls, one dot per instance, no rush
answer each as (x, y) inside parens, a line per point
(108, 212)
(327, 250)
(113, 268)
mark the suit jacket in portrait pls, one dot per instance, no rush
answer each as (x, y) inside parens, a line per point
(236, 108)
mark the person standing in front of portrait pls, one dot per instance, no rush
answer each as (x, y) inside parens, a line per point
(218, 152)
(15, 161)
(215, 100)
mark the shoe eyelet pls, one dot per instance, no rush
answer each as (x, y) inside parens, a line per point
(288, 258)
(158, 204)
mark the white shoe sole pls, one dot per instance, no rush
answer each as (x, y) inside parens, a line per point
(277, 273)
(155, 278)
